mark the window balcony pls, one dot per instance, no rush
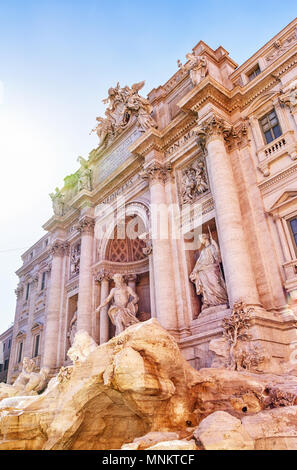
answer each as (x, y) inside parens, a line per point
(283, 145)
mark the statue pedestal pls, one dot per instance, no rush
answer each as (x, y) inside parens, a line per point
(203, 329)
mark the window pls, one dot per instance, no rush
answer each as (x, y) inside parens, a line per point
(4, 344)
(293, 227)
(253, 73)
(36, 345)
(27, 291)
(6, 364)
(270, 126)
(43, 281)
(0, 367)
(9, 343)
(20, 352)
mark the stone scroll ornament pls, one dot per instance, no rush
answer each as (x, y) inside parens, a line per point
(125, 106)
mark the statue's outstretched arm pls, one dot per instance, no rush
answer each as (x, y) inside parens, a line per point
(106, 301)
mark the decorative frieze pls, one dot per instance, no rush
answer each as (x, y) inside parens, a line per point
(193, 182)
(75, 260)
(281, 46)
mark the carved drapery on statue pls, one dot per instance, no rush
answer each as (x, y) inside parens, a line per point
(125, 106)
(58, 202)
(84, 175)
(197, 67)
(122, 312)
(207, 275)
(72, 328)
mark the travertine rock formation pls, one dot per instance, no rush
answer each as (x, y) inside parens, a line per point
(222, 431)
(137, 391)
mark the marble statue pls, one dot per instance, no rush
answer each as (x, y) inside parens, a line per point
(84, 175)
(37, 381)
(72, 328)
(83, 345)
(124, 105)
(196, 66)
(122, 312)
(27, 383)
(207, 275)
(58, 202)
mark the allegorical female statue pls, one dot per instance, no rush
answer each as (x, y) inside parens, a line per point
(207, 275)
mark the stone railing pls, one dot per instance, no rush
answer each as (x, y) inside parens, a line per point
(275, 147)
(268, 153)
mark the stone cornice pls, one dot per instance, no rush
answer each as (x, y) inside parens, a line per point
(273, 180)
(150, 140)
(108, 268)
(55, 222)
(208, 91)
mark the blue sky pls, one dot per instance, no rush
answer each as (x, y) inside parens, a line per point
(57, 60)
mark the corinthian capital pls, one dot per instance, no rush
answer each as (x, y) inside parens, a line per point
(211, 128)
(103, 275)
(156, 172)
(19, 290)
(59, 248)
(86, 224)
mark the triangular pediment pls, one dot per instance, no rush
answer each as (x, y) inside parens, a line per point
(20, 333)
(286, 197)
(36, 325)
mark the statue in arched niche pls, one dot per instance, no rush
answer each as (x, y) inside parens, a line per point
(207, 275)
(122, 312)
(72, 328)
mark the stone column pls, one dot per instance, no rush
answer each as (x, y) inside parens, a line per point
(104, 320)
(58, 250)
(84, 308)
(240, 279)
(131, 281)
(157, 174)
(19, 303)
(34, 284)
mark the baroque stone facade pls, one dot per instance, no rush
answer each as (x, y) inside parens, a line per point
(212, 151)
